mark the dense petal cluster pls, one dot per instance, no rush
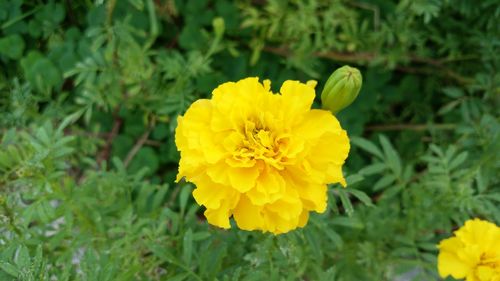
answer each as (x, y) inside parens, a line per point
(473, 253)
(263, 158)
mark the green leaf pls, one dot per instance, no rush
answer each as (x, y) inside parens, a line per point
(313, 242)
(12, 46)
(153, 21)
(346, 202)
(184, 196)
(367, 146)
(349, 222)
(9, 269)
(493, 196)
(187, 247)
(361, 196)
(22, 257)
(354, 179)
(38, 259)
(145, 157)
(428, 246)
(160, 132)
(211, 260)
(384, 182)
(73, 117)
(458, 160)
(392, 191)
(334, 237)
(200, 236)
(191, 37)
(391, 156)
(41, 72)
(44, 211)
(180, 277)
(372, 169)
(481, 181)
(449, 107)
(159, 197)
(453, 92)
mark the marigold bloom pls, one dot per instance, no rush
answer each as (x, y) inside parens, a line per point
(473, 254)
(263, 158)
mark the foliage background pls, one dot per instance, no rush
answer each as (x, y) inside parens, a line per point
(90, 91)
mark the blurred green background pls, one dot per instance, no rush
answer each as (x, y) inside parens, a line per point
(90, 91)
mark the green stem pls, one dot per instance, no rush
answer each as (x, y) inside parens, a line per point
(19, 18)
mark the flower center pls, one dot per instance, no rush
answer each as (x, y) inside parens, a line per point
(262, 138)
(261, 143)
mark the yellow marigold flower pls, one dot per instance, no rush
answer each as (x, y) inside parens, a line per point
(263, 158)
(473, 254)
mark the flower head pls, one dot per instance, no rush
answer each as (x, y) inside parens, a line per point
(473, 254)
(263, 158)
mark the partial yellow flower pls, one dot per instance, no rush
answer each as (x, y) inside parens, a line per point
(473, 254)
(265, 159)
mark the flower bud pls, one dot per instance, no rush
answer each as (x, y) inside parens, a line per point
(219, 26)
(341, 89)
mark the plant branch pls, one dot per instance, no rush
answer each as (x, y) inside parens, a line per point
(410, 127)
(106, 150)
(140, 142)
(364, 57)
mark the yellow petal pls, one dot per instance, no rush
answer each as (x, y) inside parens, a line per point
(304, 217)
(269, 187)
(472, 277)
(211, 194)
(297, 99)
(242, 179)
(289, 207)
(316, 123)
(450, 264)
(473, 231)
(247, 215)
(314, 197)
(193, 132)
(276, 224)
(334, 174)
(451, 244)
(218, 173)
(470, 254)
(312, 83)
(218, 217)
(485, 273)
(331, 147)
(237, 101)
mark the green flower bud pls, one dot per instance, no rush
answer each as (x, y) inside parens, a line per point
(219, 26)
(341, 89)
